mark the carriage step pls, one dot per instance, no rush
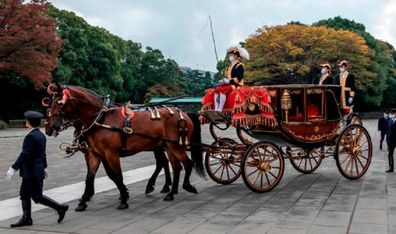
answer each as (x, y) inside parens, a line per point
(216, 117)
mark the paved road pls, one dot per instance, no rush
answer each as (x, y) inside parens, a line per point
(322, 202)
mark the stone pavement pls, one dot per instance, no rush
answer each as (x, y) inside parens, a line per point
(321, 202)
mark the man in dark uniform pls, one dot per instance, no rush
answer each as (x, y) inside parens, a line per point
(391, 139)
(234, 76)
(32, 165)
(383, 126)
(325, 78)
(347, 82)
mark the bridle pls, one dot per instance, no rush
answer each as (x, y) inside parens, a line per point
(64, 124)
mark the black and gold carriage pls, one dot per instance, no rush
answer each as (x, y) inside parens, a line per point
(302, 123)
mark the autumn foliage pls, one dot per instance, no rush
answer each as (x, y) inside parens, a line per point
(292, 54)
(29, 45)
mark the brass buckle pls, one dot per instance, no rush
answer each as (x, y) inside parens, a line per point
(128, 130)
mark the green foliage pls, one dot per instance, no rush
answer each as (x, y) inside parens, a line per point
(98, 60)
(382, 64)
(292, 53)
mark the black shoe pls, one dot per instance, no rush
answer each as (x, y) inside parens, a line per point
(62, 212)
(380, 147)
(390, 170)
(24, 221)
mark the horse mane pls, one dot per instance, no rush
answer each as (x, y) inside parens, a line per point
(94, 94)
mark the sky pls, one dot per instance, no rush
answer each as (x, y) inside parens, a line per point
(181, 30)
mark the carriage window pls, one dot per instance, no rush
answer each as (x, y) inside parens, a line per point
(315, 104)
(296, 113)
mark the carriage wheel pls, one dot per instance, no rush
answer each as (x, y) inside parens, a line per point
(306, 161)
(262, 166)
(223, 167)
(353, 151)
(213, 127)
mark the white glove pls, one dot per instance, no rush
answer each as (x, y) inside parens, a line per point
(350, 100)
(10, 173)
(45, 173)
(226, 81)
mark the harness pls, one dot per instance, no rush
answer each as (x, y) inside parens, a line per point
(79, 143)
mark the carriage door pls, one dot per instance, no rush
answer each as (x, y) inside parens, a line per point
(316, 126)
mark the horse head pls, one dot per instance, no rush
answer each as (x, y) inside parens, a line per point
(68, 105)
(55, 104)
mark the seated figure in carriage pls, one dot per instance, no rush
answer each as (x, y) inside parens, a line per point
(233, 76)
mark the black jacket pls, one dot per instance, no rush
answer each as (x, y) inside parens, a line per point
(237, 71)
(383, 124)
(32, 160)
(391, 137)
(327, 81)
(349, 86)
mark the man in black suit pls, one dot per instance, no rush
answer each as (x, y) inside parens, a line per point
(383, 126)
(391, 139)
(32, 165)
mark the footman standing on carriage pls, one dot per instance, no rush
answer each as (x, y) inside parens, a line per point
(233, 76)
(347, 82)
(32, 165)
(325, 77)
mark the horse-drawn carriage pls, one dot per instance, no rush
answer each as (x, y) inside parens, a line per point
(302, 123)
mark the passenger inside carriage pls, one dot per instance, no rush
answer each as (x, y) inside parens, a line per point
(233, 76)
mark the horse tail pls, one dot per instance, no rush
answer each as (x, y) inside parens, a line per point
(196, 147)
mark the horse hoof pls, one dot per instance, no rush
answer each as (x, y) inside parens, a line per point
(190, 188)
(149, 189)
(165, 189)
(169, 197)
(122, 206)
(81, 207)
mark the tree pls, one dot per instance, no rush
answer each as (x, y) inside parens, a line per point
(382, 63)
(29, 44)
(292, 54)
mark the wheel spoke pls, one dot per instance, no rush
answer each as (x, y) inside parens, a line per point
(228, 173)
(214, 163)
(310, 163)
(361, 164)
(222, 172)
(251, 173)
(232, 169)
(356, 166)
(347, 166)
(268, 181)
(258, 175)
(272, 174)
(218, 169)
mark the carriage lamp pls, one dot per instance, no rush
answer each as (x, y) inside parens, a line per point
(286, 104)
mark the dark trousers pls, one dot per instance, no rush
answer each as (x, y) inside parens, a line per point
(383, 133)
(31, 189)
(390, 157)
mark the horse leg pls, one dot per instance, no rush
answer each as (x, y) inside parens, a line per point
(168, 179)
(92, 166)
(113, 171)
(176, 177)
(159, 157)
(188, 166)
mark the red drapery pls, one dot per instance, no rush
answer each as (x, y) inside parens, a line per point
(237, 104)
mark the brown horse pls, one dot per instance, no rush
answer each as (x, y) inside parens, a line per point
(103, 131)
